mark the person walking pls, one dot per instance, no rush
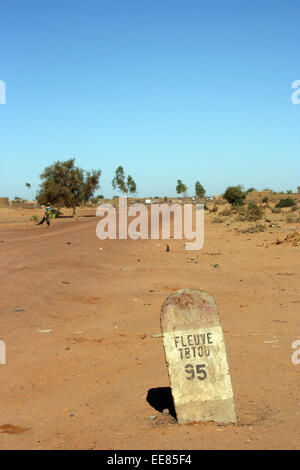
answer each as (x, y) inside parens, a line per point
(47, 216)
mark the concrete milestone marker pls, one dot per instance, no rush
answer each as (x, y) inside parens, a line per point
(196, 358)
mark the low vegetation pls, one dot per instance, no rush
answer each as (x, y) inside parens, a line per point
(235, 195)
(286, 202)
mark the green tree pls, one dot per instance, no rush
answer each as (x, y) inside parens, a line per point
(131, 186)
(28, 186)
(18, 200)
(250, 190)
(65, 184)
(235, 195)
(289, 191)
(199, 190)
(119, 182)
(181, 188)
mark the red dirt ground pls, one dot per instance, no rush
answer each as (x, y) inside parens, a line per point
(87, 383)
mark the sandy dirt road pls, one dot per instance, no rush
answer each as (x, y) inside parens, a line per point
(98, 378)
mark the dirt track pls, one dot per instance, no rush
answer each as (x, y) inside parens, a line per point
(98, 378)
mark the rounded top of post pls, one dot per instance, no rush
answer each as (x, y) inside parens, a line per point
(189, 308)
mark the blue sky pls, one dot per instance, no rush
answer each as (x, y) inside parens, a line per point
(169, 89)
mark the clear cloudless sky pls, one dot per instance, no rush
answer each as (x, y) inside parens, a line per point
(168, 89)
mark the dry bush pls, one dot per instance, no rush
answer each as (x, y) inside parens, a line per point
(216, 220)
(251, 214)
(259, 228)
(254, 229)
(226, 212)
(238, 209)
(292, 220)
(254, 213)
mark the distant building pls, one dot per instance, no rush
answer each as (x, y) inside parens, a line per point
(4, 202)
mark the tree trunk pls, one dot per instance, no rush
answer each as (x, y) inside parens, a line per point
(75, 215)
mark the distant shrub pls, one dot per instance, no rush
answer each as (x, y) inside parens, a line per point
(93, 201)
(252, 205)
(251, 214)
(286, 202)
(216, 220)
(254, 213)
(292, 220)
(259, 228)
(240, 210)
(226, 212)
(34, 218)
(253, 229)
(250, 190)
(19, 200)
(234, 195)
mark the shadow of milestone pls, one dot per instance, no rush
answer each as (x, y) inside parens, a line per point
(160, 399)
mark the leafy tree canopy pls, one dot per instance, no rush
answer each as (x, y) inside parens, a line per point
(131, 186)
(119, 182)
(199, 190)
(250, 190)
(235, 195)
(181, 188)
(65, 184)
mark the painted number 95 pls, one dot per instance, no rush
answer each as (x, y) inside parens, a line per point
(200, 371)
